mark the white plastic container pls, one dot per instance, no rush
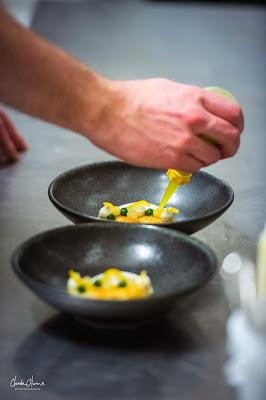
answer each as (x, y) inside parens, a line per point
(261, 264)
(246, 347)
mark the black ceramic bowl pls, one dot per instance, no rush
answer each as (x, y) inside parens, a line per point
(176, 263)
(80, 192)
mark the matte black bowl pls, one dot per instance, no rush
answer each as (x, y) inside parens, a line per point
(80, 192)
(176, 263)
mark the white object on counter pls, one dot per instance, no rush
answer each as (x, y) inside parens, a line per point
(261, 264)
(246, 346)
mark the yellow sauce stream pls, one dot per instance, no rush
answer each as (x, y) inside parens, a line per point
(177, 178)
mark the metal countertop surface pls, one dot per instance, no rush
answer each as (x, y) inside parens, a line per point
(183, 357)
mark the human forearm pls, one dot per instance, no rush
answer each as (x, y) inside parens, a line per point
(152, 123)
(46, 82)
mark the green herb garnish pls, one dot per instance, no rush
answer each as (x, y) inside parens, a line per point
(149, 212)
(111, 216)
(98, 283)
(122, 284)
(124, 211)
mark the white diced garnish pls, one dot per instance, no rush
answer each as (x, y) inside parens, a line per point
(104, 212)
(140, 210)
(166, 216)
(71, 283)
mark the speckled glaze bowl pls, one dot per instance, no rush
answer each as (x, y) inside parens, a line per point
(80, 192)
(176, 263)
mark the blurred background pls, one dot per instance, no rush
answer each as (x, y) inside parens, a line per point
(201, 43)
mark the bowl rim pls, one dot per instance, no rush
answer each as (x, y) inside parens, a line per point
(62, 294)
(88, 217)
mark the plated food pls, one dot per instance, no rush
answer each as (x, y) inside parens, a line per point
(177, 264)
(143, 212)
(140, 212)
(79, 194)
(113, 284)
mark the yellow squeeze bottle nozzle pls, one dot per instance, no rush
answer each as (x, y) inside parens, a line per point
(177, 178)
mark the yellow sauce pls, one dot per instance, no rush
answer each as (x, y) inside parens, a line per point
(113, 284)
(177, 178)
(134, 212)
(140, 220)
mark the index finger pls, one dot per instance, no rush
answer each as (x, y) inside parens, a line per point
(19, 141)
(223, 108)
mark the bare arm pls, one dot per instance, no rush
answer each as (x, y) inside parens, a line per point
(153, 123)
(44, 81)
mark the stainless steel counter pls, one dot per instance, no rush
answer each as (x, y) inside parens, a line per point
(183, 357)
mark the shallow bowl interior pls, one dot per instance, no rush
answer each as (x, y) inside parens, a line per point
(80, 193)
(176, 264)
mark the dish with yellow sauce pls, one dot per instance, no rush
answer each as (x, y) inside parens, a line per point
(140, 212)
(113, 284)
(143, 212)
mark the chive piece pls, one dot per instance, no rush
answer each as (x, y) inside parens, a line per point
(122, 284)
(111, 216)
(149, 212)
(81, 289)
(98, 283)
(124, 211)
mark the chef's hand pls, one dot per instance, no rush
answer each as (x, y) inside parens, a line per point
(153, 123)
(159, 123)
(11, 142)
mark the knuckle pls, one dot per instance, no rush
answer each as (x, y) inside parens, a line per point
(235, 136)
(196, 92)
(232, 150)
(237, 144)
(236, 112)
(170, 155)
(198, 164)
(189, 168)
(215, 156)
(186, 141)
(195, 168)
(195, 119)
